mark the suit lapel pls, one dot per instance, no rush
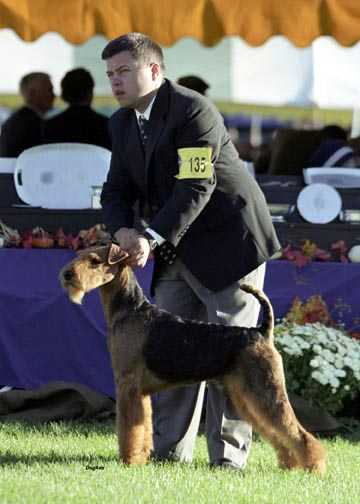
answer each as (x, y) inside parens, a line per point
(157, 122)
(134, 149)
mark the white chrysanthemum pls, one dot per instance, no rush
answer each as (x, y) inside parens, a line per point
(334, 382)
(329, 356)
(328, 372)
(292, 351)
(341, 349)
(340, 373)
(348, 361)
(314, 363)
(319, 377)
(329, 359)
(339, 363)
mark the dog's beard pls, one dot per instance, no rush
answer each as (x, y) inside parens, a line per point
(75, 295)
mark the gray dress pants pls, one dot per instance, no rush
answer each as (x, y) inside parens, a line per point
(177, 412)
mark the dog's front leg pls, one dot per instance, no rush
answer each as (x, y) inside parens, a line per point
(130, 419)
(148, 434)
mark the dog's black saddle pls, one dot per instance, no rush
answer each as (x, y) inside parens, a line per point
(178, 349)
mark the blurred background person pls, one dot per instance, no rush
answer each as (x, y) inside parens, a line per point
(23, 129)
(334, 149)
(195, 83)
(5, 112)
(79, 122)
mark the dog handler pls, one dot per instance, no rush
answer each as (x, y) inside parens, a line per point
(207, 224)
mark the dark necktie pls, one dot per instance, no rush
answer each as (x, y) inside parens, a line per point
(143, 127)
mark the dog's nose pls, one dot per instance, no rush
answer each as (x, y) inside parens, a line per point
(68, 275)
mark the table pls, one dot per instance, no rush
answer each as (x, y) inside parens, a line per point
(44, 337)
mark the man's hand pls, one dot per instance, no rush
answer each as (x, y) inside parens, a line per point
(139, 252)
(126, 238)
(136, 245)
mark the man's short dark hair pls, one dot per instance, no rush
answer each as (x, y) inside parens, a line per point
(140, 46)
(334, 131)
(77, 85)
(194, 82)
(28, 79)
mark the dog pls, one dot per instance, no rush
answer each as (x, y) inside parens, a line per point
(152, 350)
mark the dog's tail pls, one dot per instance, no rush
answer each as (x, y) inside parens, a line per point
(267, 326)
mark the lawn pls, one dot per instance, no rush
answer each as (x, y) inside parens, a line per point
(70, 462)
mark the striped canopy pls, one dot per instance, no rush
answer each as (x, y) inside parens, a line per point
(166, 21)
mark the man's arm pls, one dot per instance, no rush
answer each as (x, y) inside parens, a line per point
(202, 127)
(119, 193)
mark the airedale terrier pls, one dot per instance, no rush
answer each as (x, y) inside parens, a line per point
(152, 350)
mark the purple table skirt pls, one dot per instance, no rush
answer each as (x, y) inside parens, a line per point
(44, 337)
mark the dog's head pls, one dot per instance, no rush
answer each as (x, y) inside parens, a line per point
(92, 268)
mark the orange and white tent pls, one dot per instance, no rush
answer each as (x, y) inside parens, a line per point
(255, 21)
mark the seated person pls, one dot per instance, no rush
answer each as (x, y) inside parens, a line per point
(333, 152)
(23, 129)
(4, 114)
(291, 150)
(79, 122)
(334, 131)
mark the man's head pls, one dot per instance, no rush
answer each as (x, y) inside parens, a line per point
(194, 82)
(77, 87)
(38, 92)
(135, 66)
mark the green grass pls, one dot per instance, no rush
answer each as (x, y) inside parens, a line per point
(76, 463)
(342, 117)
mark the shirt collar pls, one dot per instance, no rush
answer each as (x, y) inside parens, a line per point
(147, 111)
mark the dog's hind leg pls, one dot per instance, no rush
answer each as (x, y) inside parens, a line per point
(131, 417)
(268, 409)
(283, 454)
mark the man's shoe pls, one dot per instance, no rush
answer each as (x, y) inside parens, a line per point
(170, 458)
(227, 465)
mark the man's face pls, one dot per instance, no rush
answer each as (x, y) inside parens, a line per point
(132, 82)
(41, 94)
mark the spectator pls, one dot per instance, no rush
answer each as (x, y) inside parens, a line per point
(334, 131)
(334, 150)
(195, 83)
(4, 114)
(23, 129)
(79, 122)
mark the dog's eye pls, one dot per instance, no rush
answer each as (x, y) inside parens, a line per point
(94, 261)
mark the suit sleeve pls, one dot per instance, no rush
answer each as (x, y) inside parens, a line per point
(119, 193)
(202, 127)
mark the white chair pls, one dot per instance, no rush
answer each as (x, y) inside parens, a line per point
(7, 164)
(61, 175)
(341, 178)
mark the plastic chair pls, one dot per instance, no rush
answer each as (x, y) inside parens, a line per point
(7, 165)
(61, 175)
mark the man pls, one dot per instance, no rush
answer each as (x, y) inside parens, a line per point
(79, 122)
(208, 226)
(23, 129)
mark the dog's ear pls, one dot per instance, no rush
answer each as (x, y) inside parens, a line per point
(116, 254)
